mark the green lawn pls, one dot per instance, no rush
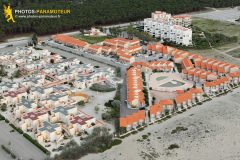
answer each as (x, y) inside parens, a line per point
(213, 26)
(161, 78)
(235, 53)
(225, 28)
(92, 39)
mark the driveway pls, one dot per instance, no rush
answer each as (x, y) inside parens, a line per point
(20, 146)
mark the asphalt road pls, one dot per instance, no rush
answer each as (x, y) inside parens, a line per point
(71, 55)
(14, 43)
(20, 146)
(124, 110)
(8, 49)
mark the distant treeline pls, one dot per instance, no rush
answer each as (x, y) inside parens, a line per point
(87, 13)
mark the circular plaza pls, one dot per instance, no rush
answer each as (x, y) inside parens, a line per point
(168, 82)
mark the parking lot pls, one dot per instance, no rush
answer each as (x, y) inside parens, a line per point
(229, 15)
(19, 145)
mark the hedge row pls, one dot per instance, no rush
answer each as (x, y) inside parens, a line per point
(101, 88)
(17, 129)
(35, 142)
(2, 117)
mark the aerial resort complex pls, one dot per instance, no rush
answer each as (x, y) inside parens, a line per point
(150, 79)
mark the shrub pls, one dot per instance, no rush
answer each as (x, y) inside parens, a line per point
(141, 129)
(96, 108)
(99, 141)
(173, 146)
(126, 135)
(118, 93)
(3, 107)
(122, 130)
(116, 142)
(2, 117)
(144, 136)
(17, 129)
(106, 116)
(118, 72)
(179, 129)
(81, 103)
(102, 88)
(113, 110)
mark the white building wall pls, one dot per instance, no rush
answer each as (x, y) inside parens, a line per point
(165, 30)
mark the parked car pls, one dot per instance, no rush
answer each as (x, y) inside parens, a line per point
(9, 45)
(60, 148)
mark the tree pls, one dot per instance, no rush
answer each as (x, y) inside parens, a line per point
(88, 15)
(98, 141)
(100, 137)
(96, 109)
(4, 107)
(2, 34)
(2, 71)
(116, 104)
(81, 103)
(118, 72)
(106, 116)
(34, 39)
(52, 61)
(81, 31)
(17, 74)
(130, 32)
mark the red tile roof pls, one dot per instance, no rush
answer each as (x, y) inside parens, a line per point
(216, 82)
(166, 102)
(69, 40)
(187, 63)
(183, 97)
(156, 108)
(135, 86)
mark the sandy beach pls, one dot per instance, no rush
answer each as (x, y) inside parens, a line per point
(211, 132)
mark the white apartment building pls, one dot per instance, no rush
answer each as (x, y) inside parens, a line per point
(181, 20)
(163, 25)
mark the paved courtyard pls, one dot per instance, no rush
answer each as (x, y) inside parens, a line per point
(168, 82)
(97, 99)
(20, 146)
(162, 95)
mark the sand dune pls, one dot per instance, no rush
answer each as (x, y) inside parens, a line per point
(212, 132)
